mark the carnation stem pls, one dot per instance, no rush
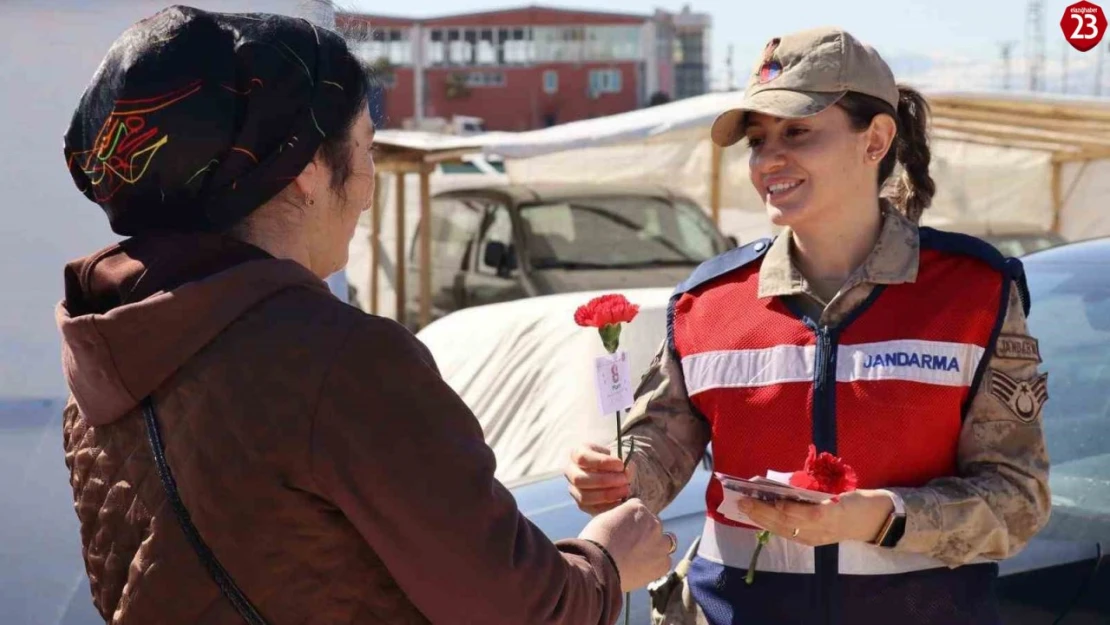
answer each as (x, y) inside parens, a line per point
(761, 539)
(620, 456)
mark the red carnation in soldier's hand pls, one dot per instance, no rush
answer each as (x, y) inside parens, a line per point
(605, 310)
(826, 473)
(607, 313)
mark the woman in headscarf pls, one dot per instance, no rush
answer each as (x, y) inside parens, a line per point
(239, 440)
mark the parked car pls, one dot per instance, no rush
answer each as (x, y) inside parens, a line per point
(501, 243)
(1065, 570)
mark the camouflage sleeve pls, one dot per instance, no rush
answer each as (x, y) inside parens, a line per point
(669, 438)
(1000, 499)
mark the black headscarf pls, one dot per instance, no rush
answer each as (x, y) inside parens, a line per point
(194, 119)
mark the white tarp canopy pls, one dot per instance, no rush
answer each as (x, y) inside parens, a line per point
(993, 158)
(1010, 160)
(526, 370)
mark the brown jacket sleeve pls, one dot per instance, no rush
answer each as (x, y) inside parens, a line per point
(403, 457)
(670, 438)
(1000, 499)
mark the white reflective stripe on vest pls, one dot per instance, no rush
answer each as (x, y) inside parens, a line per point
(748, 367)
(929, 362)
(733, 546)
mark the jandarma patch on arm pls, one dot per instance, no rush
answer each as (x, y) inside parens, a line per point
(1024, 398)
(1018, 346)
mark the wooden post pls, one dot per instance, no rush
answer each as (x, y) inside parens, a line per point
(399, 261)
(715, 182)
(375, 242)
(425, 245)
(1057, 194)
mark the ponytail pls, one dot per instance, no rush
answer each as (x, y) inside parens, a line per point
(914, 189)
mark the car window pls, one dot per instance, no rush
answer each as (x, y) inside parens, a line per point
(1070, 317)
(616, 231)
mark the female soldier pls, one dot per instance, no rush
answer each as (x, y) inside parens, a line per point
(856, 331)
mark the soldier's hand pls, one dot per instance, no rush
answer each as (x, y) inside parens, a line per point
(598, 480)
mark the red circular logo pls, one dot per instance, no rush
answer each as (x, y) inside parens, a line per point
(1084, 24)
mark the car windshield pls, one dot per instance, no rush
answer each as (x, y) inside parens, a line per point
(624, 231)
(1070, 316)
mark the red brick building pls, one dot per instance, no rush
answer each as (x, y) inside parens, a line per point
(517, 69)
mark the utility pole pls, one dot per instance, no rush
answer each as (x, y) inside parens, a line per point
(419, 88)
(1064, 66)
(1101, 52)
(728, 70)
(1005, 48)
(1034, 43)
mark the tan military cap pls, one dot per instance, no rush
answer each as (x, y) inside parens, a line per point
(803, 73)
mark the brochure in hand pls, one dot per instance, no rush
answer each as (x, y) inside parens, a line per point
(766, 489)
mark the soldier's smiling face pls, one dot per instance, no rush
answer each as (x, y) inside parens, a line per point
(810, 168)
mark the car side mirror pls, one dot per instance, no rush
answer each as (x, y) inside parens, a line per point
(733, 241)
(501, 257)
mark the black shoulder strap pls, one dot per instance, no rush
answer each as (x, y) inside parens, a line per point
(724, 263)
(215, 569)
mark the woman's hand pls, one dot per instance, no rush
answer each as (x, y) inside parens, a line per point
(859, 515)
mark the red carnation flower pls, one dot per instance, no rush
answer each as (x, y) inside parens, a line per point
(607, 313)
(825, 473)
(605, 310)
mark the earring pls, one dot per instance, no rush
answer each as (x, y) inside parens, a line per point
(310, 201)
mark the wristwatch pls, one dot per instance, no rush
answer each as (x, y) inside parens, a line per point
(895, 524)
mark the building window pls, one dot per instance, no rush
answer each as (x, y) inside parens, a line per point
(485, 79)
(518, 46)
(605, 81)
(389, 43)
(550, 81)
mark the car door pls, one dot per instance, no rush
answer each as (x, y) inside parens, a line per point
(494, 274)
(455, 225)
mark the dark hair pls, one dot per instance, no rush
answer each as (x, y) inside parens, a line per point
(915, 188)
(335, 149)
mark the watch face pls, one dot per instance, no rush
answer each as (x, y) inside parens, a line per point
(897, 529)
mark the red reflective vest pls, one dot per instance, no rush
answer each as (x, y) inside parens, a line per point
(886, 389)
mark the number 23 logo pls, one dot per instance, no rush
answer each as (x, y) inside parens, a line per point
(1087, 19)
(1083, 24)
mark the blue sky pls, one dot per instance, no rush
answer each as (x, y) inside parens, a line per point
(912, 34)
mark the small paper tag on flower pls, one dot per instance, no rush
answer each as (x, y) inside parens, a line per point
(613, 378)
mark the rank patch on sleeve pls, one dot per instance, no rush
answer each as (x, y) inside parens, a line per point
(1024, 398)
(1017, 346)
